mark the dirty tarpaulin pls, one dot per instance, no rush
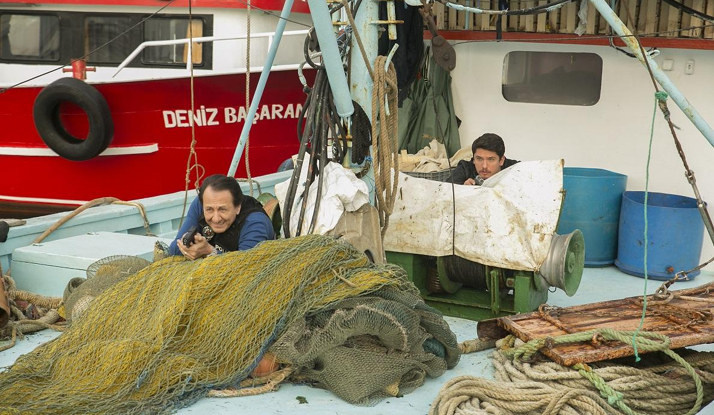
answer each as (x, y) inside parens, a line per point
(507, 222)
(417, 119)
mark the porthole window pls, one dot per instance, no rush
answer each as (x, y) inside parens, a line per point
(552, 78)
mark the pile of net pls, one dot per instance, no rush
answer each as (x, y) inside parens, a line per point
(162, 338)
(655, 385)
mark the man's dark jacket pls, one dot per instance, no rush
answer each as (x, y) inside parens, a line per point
(467, 170)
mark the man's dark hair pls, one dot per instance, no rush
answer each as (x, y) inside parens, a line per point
(220, 182)
(490, 142)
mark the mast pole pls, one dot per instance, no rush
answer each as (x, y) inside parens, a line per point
(260, 87)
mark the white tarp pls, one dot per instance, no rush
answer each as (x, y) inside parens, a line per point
(341, 191)
(507, 222)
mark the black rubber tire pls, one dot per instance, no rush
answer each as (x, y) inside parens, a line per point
(49, 126)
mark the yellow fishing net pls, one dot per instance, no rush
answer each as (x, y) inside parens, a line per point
(160, 339)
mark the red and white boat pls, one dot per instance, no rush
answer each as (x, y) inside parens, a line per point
(149, 101)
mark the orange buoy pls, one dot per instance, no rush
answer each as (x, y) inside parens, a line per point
(266, 366)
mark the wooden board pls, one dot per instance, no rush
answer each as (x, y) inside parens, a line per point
(541, 17)
(687, 322)
(513, 20)
(453, 21)
(591, 24)
(698, 5)
(439, 12)
(709, 30)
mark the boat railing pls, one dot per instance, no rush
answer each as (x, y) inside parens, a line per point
(190, 42)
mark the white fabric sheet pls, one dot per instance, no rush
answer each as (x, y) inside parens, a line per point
(507, 222)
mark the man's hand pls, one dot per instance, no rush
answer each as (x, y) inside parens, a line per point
(199, 249)
(470, 181)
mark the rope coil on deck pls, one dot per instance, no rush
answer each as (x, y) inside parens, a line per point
(657, 386)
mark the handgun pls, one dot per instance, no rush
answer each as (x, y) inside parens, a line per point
(188, 237)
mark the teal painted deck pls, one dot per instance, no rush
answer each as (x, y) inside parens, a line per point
(598, 284)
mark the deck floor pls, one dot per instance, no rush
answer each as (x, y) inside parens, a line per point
(598, 284)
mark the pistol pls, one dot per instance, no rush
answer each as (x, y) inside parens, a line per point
(188, 237)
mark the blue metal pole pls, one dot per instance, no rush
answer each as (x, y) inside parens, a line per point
(621, 29)
(331, 57)
(261, 86)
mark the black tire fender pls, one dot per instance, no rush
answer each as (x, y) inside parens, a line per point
(49, 127)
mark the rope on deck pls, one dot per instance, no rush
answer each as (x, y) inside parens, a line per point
(605, 388)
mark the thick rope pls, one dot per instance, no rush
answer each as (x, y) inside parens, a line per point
(192, 155)
(384, 139)
(36, 299)
(548, 388)
(255, 386)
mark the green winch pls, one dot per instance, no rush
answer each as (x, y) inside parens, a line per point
(462, 288)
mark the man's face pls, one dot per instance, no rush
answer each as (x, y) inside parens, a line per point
(487, 163)
(218, 209)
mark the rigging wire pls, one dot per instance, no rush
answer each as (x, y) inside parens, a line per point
(71, 61)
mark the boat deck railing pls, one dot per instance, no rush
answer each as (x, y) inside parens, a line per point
(191, 41)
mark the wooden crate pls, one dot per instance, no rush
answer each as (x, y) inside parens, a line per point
(686, 320)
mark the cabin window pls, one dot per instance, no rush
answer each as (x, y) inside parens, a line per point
(170, 29)
(30, 37)
(100, 30)
(552, 78)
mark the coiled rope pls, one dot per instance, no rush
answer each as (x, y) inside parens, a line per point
(602, 388)
(384, 138)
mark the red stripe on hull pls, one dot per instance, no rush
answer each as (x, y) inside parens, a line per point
(299, 6)
(148, 112)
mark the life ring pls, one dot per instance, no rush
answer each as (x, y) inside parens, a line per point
(50, 128)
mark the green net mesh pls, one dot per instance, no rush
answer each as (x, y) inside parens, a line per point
(161, 338)
(101, 275)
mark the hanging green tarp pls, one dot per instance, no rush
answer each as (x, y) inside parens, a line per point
(428, 106)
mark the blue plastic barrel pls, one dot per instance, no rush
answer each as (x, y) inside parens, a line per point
(592, 204)
(674, 235)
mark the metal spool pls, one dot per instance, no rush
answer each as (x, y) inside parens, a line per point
(432, 281)
(457, 272)
(563, 267)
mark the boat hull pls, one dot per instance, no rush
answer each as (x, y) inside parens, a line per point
(153, 132)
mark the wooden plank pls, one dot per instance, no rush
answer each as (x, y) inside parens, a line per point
(642, 15)
(513, 20)
(652, 17)
(591, 24)
(439, 14)
(529, 20)
(709, 30)
(663, 18)
(700, 6)
(573, 18)
(551, 25)
(485, 19)
(686, 20)
(673, 22)
(686, 319)
(541, 18)
(630, 8)
(453, 20)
